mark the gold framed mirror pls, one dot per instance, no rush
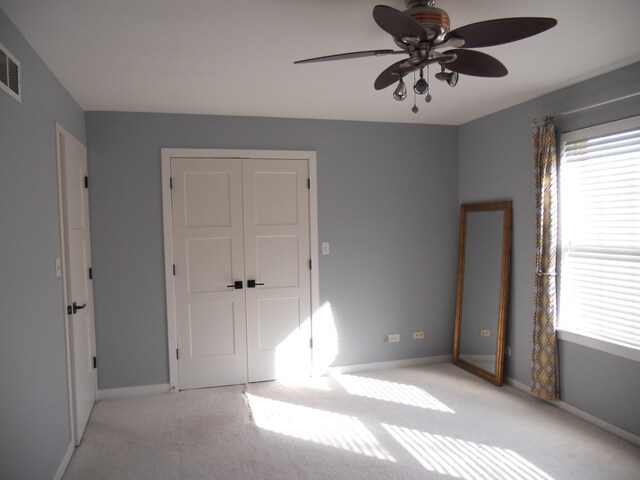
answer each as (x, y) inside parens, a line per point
(484, 257)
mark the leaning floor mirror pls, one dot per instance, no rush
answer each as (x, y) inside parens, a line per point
(483, 287)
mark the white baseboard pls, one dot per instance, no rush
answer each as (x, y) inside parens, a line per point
(132, 391)
(620, 432)
(165, 387)
(65, 462)
(598, 422)
(410, 362)
(517, 385)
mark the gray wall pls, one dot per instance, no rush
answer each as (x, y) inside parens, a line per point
(387, 202)
(496, 162)
(34, 413)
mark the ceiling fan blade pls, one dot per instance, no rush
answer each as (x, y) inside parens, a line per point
(477, 64)
(345, 56)
(397, 24)
(394, 73)
(501, 30)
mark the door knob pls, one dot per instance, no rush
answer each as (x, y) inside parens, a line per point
(237, 285)
(253, 283)
(76, 307)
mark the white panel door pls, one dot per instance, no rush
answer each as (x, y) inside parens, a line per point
(276, 228)
(209, 258)
(79, 289)
(241, 221)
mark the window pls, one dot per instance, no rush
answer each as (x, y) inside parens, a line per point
(599, 200)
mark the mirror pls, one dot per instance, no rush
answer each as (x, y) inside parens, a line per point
(484, 255)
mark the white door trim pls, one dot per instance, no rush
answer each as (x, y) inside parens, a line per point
(61, 131)
(166, 155)
(63, 260)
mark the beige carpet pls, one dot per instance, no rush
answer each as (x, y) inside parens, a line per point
(427, 422)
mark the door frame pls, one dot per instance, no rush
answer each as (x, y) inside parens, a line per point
(166, 154)
(61, 131)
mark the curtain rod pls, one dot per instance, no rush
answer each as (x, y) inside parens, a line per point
(582, 109)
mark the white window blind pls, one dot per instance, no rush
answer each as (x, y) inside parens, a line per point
(599, 202)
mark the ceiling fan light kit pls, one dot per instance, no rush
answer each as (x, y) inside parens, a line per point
(450, 78)
(421, 86)
(423, 30)
(400, 93)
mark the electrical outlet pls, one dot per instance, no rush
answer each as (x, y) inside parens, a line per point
(485, 333)
(393, 338)
(326, 250)
(418, 335)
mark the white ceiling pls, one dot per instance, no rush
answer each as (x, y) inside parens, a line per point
(232, 57)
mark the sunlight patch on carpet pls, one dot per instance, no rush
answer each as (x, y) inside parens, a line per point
(314, 425)
(390, 392)
(314, 383)
(463, 459)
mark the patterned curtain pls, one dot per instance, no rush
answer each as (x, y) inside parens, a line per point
(544, 373)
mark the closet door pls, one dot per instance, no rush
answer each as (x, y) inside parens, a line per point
(209, 258)
(242, 272)
(277, 256)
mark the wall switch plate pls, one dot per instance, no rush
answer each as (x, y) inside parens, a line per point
(508, 351)
(393, 338)
(485, 333)
(58, 268)
(418, 335)
(325, 248)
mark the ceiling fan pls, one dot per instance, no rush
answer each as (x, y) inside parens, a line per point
(423, 31)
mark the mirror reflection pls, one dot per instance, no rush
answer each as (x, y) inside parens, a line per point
(483, 270)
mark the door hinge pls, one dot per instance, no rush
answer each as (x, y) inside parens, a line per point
(174, 269)
(170, 183)
(86, 181)
(308, 184)
(177, 354)
(95, 362)
(90, 273)
(310, 264)
(311, 343)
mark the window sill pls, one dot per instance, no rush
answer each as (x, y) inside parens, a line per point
(607, 346)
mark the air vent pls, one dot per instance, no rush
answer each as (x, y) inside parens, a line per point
(10, 74)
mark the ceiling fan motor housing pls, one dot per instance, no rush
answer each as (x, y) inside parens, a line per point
(434, 20)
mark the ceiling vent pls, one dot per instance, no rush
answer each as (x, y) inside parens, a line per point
(10, 74)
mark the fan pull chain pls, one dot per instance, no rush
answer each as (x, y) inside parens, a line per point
(414, 109)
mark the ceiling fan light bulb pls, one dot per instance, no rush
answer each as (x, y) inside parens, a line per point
(400, 93)
(453, 79)
(421, 86)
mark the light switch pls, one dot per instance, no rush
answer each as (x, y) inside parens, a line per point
(58, 268)
(325, 248)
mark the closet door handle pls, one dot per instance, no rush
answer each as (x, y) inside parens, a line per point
(253, 283)
(237, 285)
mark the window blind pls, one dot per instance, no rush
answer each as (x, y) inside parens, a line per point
(599, 200)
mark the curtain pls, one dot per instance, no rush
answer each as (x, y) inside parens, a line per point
(544, 373)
